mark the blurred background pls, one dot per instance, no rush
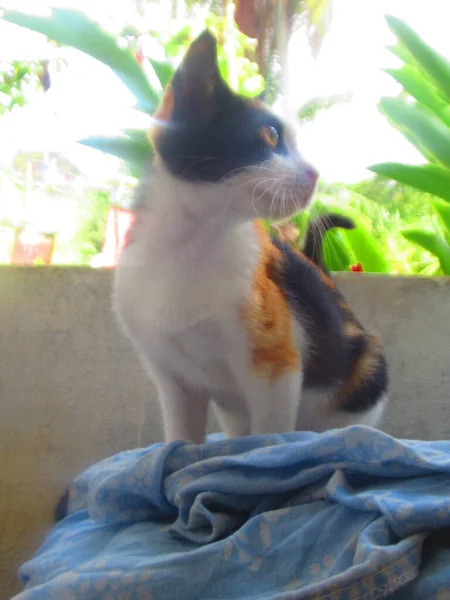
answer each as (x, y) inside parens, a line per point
(322, 64)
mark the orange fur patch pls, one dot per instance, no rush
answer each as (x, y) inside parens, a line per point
(257, 103)
(267, 317)
(363, 369)
(165, 109)
(163, 114)
(351, 330)
(287, 233)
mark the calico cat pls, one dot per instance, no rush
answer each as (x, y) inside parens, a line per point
(217, 309)
(312, 250)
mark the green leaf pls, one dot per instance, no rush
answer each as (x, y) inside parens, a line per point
(138, 155)
(443, 210)
(164, 71)
(367, 249)
(432, 63)
(432, 242)
(179, 41)
(139, 135)
(310, 109)
(337, 252)
(422, 90)
(352, 246)
(402, 53)
(420, 126)
(73, 28)
(433, 179)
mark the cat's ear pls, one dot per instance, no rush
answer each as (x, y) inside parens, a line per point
(198, 90)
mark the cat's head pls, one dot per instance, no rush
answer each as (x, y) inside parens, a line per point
(204, 133)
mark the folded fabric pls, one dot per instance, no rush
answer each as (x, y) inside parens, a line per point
(350, 514)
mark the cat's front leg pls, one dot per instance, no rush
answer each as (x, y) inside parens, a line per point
(184, 410)
(266, 359)
(271, 392)
(273, 405)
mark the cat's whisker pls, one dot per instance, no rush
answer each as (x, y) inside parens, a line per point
(195, 163)
(232, 172)
(232, 196)
(261, 167)
(316, 239)
(320, 241)
(328, 248)
(292, 200)
(270, 190)
(284, 205)
(272, 200)
(265, 180)
(317, 246)
(274, 197)
(254, 202)
(264, 166)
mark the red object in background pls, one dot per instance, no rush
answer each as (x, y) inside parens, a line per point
(118, 225)
(30, 247)
(358, 268)
(140, 56)
(245, 17)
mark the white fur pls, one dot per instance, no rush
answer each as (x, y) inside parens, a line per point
(180, 287)
(315, 415)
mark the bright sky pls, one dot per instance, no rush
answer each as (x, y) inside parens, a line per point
(350, 137)
(341, 142)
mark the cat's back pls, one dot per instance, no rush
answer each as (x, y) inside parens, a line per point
(345, 368)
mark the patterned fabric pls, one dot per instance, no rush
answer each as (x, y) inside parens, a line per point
(351, 514)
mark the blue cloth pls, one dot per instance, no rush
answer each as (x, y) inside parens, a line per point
(345, 515)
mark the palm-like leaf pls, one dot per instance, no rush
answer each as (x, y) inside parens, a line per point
(74, 28)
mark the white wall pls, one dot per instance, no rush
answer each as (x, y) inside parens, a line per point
(72, 390)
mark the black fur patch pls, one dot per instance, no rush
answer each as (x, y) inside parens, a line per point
(313, 247)
(315, 305)
(62, 507)
(209, 151)
(323, 314)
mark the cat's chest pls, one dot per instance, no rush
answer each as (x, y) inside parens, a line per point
(200, 356)
(171, 290)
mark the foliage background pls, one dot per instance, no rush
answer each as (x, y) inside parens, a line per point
(381, 208)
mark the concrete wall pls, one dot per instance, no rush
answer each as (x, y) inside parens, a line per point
(72, 391)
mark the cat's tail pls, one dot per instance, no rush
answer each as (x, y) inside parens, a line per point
(62, 508)
(317, 228)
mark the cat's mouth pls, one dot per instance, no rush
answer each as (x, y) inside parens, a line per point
(286, 195)
(304, 186)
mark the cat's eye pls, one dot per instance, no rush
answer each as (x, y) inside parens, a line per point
(270, 135)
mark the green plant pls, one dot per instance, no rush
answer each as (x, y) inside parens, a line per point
(272, 23)
(422, 115)
(313, 107)
(381, 210)
(74, 29)
(15, 78)
(344, 248)
(146, 82)
(91, 232)
(435, 242)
